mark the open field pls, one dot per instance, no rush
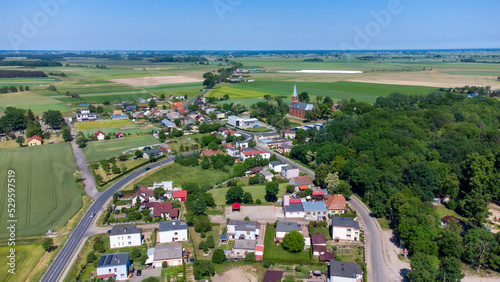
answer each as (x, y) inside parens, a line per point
(155, 80)
(29, 99)
(103, 124)
(27, 257)
(181, 175)
(257, 191)
(27, 81)
(99, 150)
(46, 192)
(180, 89)
(125, 130)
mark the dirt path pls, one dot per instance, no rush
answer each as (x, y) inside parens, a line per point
(233, 275)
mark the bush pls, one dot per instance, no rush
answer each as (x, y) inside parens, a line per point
(267, 263)
(203, 268)
(298, 268)
(203, 234)
(250, 257)
(210, 242)
(258, 202)
(202, 224)
(219, 256)
(91, 257)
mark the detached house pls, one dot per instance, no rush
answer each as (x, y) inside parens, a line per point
(318, 242)
(240, 229)
(253, 153)
(344, 271)
(336, 204)
(100, 135)
(35, 140)
(144, 194)
(115, 265)
(300, 182)
(289, 172)
(171, 254)
(242, 247)
(173, 231)
(283, 227)
(276, 166)
(162, 210)
(152, 153)
(345, 229)
(125, 236)
(180, 195)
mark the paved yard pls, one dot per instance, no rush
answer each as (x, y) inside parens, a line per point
(259, 213)
(146, 273)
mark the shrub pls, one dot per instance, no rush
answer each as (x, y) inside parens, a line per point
(250, 257)
(219, 256)
(267, 263)
(258, 202)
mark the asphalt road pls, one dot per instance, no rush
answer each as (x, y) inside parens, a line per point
(77, 234)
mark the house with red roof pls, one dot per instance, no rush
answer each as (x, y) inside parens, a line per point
(236, 207)
(180, 195)
(35, 140)
(162, 210)
(177, 106)
(144, 194)
(253, 153)
(300, 182)
(259, 252)
(120, 135)
(210, 152)
(336, 204)
(100, 135)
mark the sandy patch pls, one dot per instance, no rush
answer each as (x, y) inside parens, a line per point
(234, 275)
(155, 80)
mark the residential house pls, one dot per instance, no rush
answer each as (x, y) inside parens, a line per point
(336, 204)
(254, 170)
(241, 144)
(233, 152)
(86, 115)
(173, 231)
(289, 171)
(315, 210)
(130, 108)
(152, 153)
(268, 176)
(285, 149)
(125, 236)
(446, 220)
(276, 166)
(242, 247)
(300, 182)
(344, 271)
(318, 242)
(273, 276)
(259, 252)
(345, 229)
(115, 265)
(253, 153)
(100, 135)
(35, 140)
(120, 135)
(117, 112)
(167, 149)
(327, 256)
(171, 254)
(292, 207)
(239, 229)
(180, 195)
(220, 114)
(210, 152)
(162, 210)
(177, 106)
(168, 123)
(141, 101)
(167, 185)
(144, 194)
(290, 134)
(283, 227)
(275, 142)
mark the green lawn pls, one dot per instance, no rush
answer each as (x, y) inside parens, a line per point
(98, 150)
(46, 192)
(257, 191)
(103, 124)
(181, 174)
(277, 254)
(27, 257)
(443, 211)
(125, 130)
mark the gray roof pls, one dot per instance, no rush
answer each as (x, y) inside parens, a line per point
(294, 208)
(344, 222)
(154, 151)
(266, 173)
(242, 225)
(345, 269)
(127, 229)
(114, 259)
(302, 106)
(275, 163)
(171, 251)
(244, 244)
(288, 167)
(172, 225)
(284, 226)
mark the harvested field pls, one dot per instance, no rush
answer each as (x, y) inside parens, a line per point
(234, 275)
(155, 80)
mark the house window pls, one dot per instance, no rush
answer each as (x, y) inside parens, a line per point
(129, 237)
(115, 269)
(129, 243)
(110, 270)
(175, 233)
(348, 230)
(348, 236)
(248, 232)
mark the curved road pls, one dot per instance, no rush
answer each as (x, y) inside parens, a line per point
(77, 234)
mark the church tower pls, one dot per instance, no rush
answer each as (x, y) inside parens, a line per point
(295, 97)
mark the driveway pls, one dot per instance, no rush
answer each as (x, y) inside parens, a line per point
(146, 273)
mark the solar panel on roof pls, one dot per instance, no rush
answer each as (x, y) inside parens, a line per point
(110, 257)
(101, 260)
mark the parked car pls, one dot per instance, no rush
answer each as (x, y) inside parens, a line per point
(139, 272)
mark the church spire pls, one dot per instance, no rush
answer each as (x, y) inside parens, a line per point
(295, 91)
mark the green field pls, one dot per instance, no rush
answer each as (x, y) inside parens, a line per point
(180, 89)
(37, 103)
(27, 257)
(181, 174)
(257, 191)
(277, 254)
(365, 92)
(46, 192)
(103, 124)
(124, 130)
(27, 81)
(99, 150)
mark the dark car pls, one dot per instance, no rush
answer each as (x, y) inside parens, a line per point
(148, 168)
(139, 272)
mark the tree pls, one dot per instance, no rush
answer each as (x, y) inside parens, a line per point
(209, 82)
(247, 198)
(33, 128)
(343, 188)
(66, 134)
(159, 192)
(250, 257)
(218, 256)
(479, 247)
(450, 244)
(202, 224)
(162, 97)
(91, 257)
(30, 116)
(47, 244)
(138, 154)
(213, 115)
(293, 242)
(304, 97)
(238, 107)
(20, 140)
(80, 139)
(272, 190)
(332, 181)
(450, 270)
(152, 104)
(203, 268)
(422, 268)
(53, 118)
(99, 109)
(135, 253)
(234, 195)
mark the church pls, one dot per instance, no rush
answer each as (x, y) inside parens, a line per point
(298, 109)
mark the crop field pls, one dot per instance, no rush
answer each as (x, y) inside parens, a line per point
(103, 124)
(46, 192)
(23, 81)
(29, 99)
(124, 130)
(257, 191)
(99, 150)
(190, 89)
(27, 257)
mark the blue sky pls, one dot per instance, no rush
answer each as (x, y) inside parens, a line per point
(249, 24)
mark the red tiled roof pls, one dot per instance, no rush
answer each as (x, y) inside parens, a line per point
(236, 206)
(327, 256)
(295, 201)
(144, 193)
(318, 239)
(35, 137)
(161, 208)
(119, 133)
(210, 152)
(180, 194)
(319, 248)
(318, 193)
(253, 152)
(303, 187)
(302, 180)
(336, 202)
(99, 132)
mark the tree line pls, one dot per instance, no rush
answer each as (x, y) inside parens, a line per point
(31, 63)
(19, 73)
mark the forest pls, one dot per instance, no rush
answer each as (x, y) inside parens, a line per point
(19, 73)
(404, 151)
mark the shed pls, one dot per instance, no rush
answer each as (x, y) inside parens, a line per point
(236, 206)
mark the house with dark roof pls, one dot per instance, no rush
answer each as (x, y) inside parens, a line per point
(273, 276)
(254, 170)
(344, 271)
(276, 166)
(122, 236)
(318, 242)
(144, 194)
(289, 171)
(240, 229)
(152, 153)
(345, 229)
(283, 227)
(114, 265)
(162, 210)
(171, 254)
(292, 209)
(173, 231)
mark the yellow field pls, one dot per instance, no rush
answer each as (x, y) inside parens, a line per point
(102, 124)
(27, 257)
(236, 93)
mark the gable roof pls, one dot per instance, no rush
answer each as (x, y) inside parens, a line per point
(255, 169)
(210, 152)
(99, 132)
(170, 251)
(327, 256)
(36, 137)
(336, 202)
(318, 239)
(245, 244)
(283, 226)
(172, 225)
(345, 269)
(160, 208)
(236, 206)
(294, 208)
(114, 259)
(180, 194)
(127, 229)
(275, 163)
(301, 180)
(314, 206)
(273, 276)
(344, 222)
(302, 106)
(242, 225)
(253, 152)
(144, 193)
